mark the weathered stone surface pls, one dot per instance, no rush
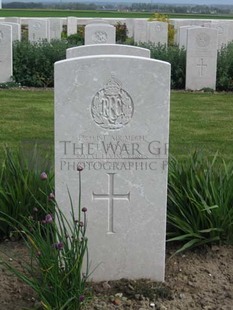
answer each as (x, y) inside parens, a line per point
(100, 33)
(201, 60)
(106, 49)
(5, 53)
(157, 32)
(38, 30)
(140, 30)
(112, 118)
(55, 28)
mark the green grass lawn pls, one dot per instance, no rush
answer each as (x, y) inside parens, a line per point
(99, 14)
(200, 121)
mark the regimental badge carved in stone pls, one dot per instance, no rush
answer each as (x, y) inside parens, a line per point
(203, 39)
(36, 26)
(100, 37)
(112, 107)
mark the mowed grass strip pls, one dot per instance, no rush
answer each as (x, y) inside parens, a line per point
(100, 14)
(198, 121)
(26, 118)
(201, 121)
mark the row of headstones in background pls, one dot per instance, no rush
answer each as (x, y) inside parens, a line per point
(116, 127)
(154, 31)
(224, 30)
(200, 69)
(39, 29)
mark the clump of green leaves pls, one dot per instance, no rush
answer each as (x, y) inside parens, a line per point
(200, 201)
(33, 62)
(225, 68)
(121, 33)
(77, 38)
(57, 247)
(10, 84)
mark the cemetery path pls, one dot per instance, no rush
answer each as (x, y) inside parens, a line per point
(199, 279)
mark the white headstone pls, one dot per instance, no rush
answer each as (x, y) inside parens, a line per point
(71, 25)
(107, 49)
(100, 34)
(130, 27)
(115, 126)
(5, 53)
(38, 30)
(157, 32)
(55, 25)
(223, 32)
(16, 31)
(201, 59)
(140, 30)
(183, 33)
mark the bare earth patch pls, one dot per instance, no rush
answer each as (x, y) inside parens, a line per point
(200, 279)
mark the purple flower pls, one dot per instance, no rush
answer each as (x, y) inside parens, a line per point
(48, 218)
(84, 209)
(81, 298)
(51, 196)
(79, 168)
(43, 176)
(58, 246)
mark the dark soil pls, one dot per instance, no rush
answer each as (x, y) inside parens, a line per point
(200, 279)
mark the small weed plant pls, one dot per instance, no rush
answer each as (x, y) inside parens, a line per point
(200, 201)
(19, 184)
(57, 247)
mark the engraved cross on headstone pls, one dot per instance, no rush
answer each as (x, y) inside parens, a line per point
(111, 196)
(201, 67)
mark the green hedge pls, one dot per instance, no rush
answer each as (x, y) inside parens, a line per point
(33, 63)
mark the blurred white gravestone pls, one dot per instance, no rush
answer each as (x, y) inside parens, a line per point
(117, 128)
(5, 53)
(201, 58)
(183, 33)
(55, 26)
(222, 28)
(16, 31)
(157, 32)
(71, 25)
(140, 30)
(38, 30)
(130, 27)
(106, 49)
(100, 33)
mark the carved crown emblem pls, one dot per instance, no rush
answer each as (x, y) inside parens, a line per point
(112, 107)
(113, 87)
